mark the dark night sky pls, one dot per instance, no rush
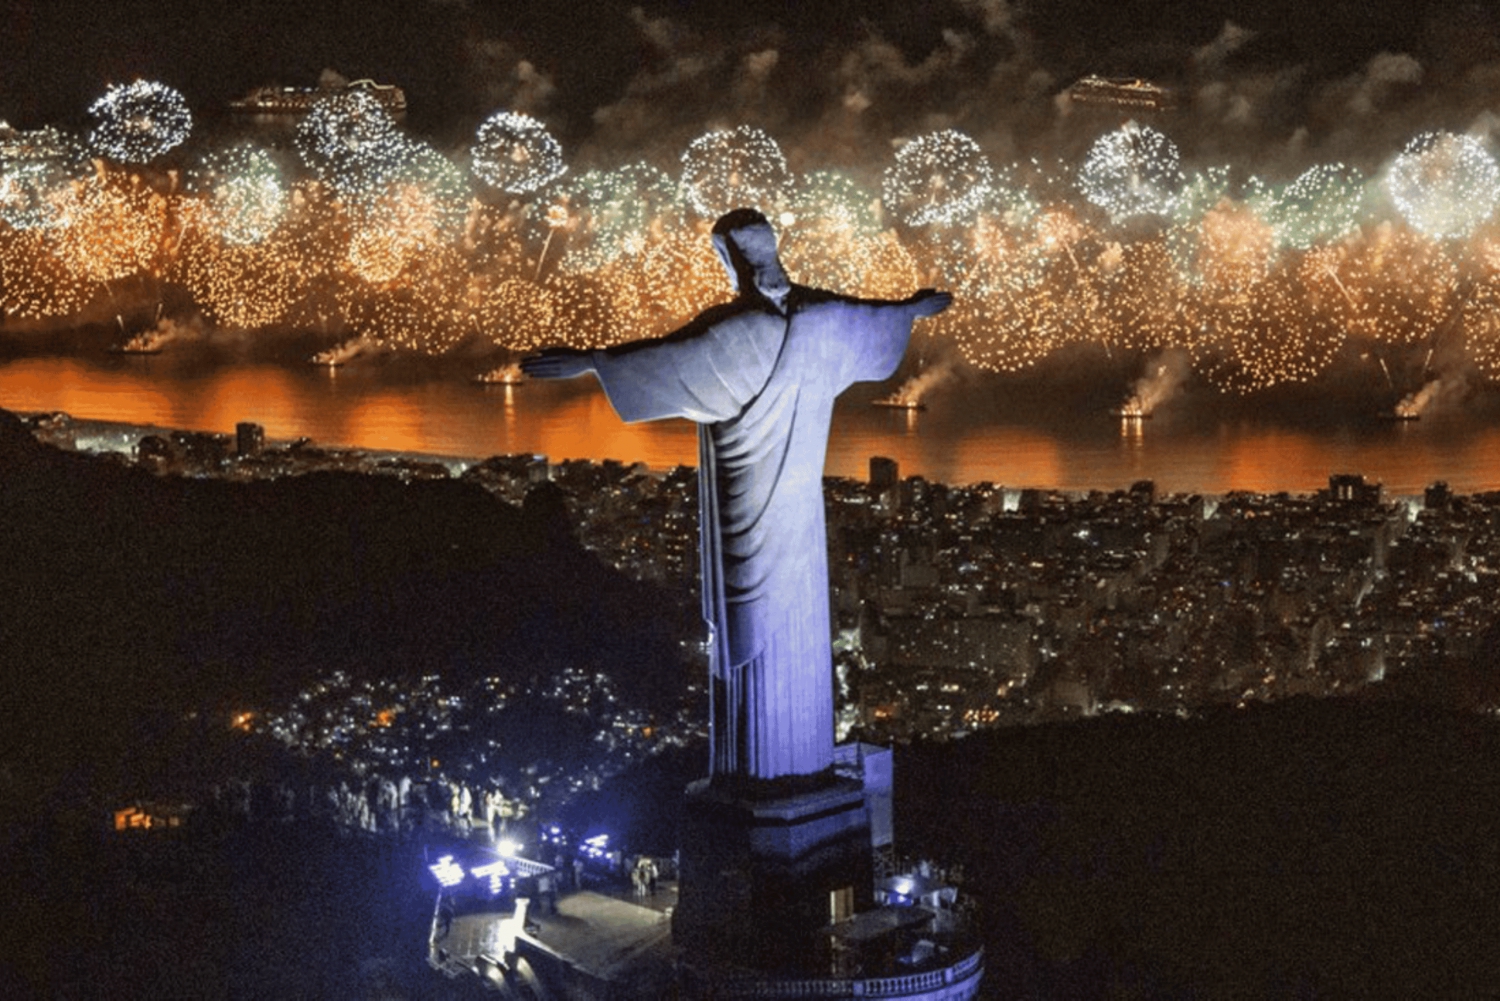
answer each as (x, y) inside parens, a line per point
(833, 81)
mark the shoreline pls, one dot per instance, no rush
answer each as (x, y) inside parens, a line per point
(121, 437)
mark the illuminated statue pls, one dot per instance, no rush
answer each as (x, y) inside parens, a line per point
(759, 376)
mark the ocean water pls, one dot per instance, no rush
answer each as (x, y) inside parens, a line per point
(1009, 432)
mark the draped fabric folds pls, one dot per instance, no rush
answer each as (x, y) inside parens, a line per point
(761, 383)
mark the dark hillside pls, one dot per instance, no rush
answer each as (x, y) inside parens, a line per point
(1307, 849)
(125, 593)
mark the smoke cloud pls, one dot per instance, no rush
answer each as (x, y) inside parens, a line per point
(1165, 376)
(914, 392)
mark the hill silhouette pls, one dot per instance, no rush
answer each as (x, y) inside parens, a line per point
(1333, 848)
(125, 594)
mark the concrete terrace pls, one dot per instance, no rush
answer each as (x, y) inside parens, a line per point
(596, 945)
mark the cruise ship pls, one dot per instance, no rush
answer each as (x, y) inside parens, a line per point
(299, 100)
(46, 143)
(1123, 92)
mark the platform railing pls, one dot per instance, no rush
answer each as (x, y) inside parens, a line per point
(910, 985)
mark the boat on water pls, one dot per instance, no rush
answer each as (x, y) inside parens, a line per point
(505, 375)
(141, 344)
(896, 403)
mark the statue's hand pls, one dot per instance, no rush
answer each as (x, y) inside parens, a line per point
(558, 363)
(930, 302)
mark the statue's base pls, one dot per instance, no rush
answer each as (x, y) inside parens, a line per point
(762, 871)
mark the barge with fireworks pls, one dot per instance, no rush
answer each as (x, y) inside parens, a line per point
(147, 343)
(898, 403)
(1132, 409)
(505, 375)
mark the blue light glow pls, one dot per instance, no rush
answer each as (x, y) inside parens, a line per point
(597, 846)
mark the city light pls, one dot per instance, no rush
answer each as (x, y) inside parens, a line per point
(448, 872)
(495, 872)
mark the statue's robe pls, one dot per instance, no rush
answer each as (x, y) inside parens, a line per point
(761, 387)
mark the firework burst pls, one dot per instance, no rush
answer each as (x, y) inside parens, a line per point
(245, 193)
(735, 168)
(351, 142)
(1323, 205)
(1132, 171)
(942, 178)
(1444, 184)
(515, 153)
(138, 122)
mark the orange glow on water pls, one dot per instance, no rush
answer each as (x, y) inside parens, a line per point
(367, 406)
(1265, 462)
(1013, 457)
(34, 384)
(586, 427)
(259, 394)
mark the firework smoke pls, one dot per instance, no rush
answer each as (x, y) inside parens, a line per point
(342, 354)
(166, 331)
(914, 391)
(1165, 376)
(1436, 393)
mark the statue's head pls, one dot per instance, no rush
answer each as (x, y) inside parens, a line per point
(747, 245)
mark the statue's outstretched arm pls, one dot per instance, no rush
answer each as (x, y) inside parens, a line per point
(872, 333)
(705, 371)
(929, 302)
(558, 363)
(569, 363)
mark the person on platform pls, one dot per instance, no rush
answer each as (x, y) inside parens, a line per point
(759, 375)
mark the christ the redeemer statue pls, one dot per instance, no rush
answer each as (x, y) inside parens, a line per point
(759, 376)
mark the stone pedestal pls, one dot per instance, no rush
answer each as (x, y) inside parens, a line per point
(761, 871)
